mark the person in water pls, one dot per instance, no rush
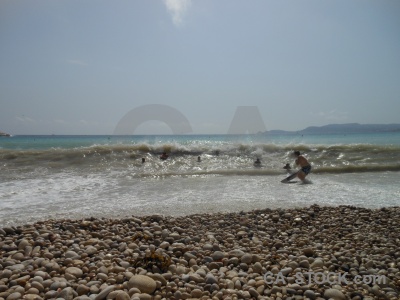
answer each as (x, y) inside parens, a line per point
(164, 156)
(287, 167)
(257, 163)
(304, 165)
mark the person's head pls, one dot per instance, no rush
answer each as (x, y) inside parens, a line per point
(296, 153)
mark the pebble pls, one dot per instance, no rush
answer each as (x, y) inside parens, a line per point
(246, 258)
(309, 252)
(217, 255)
(257, 268)
(304, 264)
(14, 296)
(144, 283)
(310, 294)
(104, 293)
(334, 294)
(67, 293)
(210, 256)
(74, 271)
(121, 295)
(210, 279)
(317, 264)
(286, 271)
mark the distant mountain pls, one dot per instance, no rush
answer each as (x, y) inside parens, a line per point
(342, 129)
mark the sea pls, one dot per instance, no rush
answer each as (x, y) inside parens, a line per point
(76, 177)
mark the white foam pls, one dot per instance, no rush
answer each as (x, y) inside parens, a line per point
(117, 194)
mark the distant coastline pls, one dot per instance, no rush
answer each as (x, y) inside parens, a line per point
(341, 129)
(347, 128)
(4, 134)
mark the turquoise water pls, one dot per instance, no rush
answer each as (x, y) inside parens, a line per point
(80, 176)
(45, 141)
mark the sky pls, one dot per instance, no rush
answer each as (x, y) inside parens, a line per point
(80, 67)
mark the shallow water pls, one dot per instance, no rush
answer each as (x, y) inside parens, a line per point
(101, 197)
(76, 177)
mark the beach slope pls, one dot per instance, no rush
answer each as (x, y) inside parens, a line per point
(314, 252)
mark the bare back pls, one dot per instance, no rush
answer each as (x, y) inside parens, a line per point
(302, 161)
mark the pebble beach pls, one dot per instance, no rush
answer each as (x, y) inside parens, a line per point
(341, 252)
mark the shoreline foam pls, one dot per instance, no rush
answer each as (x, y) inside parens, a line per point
(204, 256)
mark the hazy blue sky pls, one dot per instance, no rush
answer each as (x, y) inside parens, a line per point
(78, 67)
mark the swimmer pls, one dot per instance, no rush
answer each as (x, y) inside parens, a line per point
(304, 164)
(164, 156)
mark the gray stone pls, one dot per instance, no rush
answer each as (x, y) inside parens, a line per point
(74, 271)
(67, 293)
(22, 244)
(286, 271)
(144, 283)
(15, 296)
(317, 264)
(90, 250)
(8, 230)
(236, 253)
(210, 279)
(254, 293)
(104, 293)
(275, 289)
(217, 255)
(16, 267)
(257, 268)
(334, 294)
(82, 289)
(71, 254)
(196, 293)
(309, 294)
(188, 256)
(122, 296)
(246, 258)
(304, 264)
(309, 252)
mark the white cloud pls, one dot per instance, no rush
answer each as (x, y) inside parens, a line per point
(88, 123)
(25, 119)
(177, 10)
(77, 62)
(59, 121)
(333, 115)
